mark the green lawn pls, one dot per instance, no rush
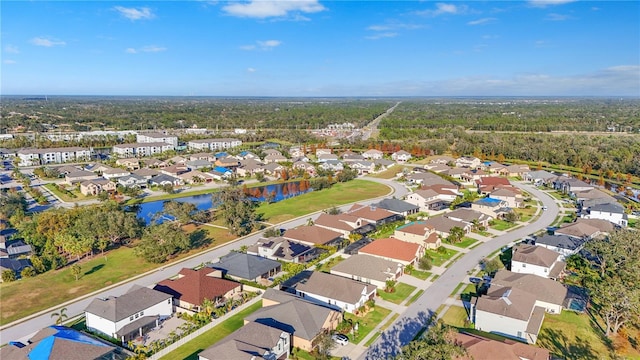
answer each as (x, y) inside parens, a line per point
(466, 242)
(441, 255)
(327, 265)
(382, 328)
(420, 274)
(367, 323)
(402, 292)
(525, 213)
(468, 292)
(390, 173)
(501, 225)
(414, 298)
(483, 233)
(338, 194)
(63, 196)
(456, 316)
(191, 349)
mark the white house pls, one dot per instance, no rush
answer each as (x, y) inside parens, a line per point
(156, 137)
(130, 315)
(32, 157)
(562, 244)
(401, 156)
(536, 260)
(336, 291)
(213, 144)
(468, 162)
(369, 269)
(611, 212)
(372, 154)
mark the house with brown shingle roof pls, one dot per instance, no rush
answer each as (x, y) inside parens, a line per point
(191, 287)
(314, 235)
(469, 216)
(345, 224)
(392, 249)
(549, 294)
(420, 233)
(511, 195)
(536, 260)
(368, 269)
(481, 348)
(443, 225)
(373, 214)
(339, 292)
(578, 230)
(487, 184)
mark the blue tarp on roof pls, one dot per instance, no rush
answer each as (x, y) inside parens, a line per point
(488, 201)
(220, 154)
(221, 170)
(45, 346)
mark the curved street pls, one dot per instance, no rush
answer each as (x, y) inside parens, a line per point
(23, 329)
(407, 326)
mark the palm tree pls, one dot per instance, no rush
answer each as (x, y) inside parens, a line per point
(60, 316)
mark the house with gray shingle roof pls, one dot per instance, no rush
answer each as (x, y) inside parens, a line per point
(251, 342)
(368, 269)
(247, 267)
(303, 319)
(398, 206)
(279, 248)
(338, 292)
(536, 260)
(129, 316)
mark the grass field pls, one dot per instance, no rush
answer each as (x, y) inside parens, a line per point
(422, 275)
(63, 196)
(456, 316)
(526, 214)
(466, 242)
(390, 173)
(402, 292)
(191, 349)
(338, 194)
(367, 323)
(501, 225)
(440, 258)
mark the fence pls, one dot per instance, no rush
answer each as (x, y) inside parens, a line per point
(203, 329)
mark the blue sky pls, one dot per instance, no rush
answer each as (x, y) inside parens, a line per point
(321, 48)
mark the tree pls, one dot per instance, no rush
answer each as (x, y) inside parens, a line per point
(237, 211)
(8, 275)
(181, 211)
(324, 346)
(333, 211)
(437, 343)
(456, 234)
(511, 216)
(616, 287)
(60, 316)
(159, 242)
(76, 270)
(425, 263)
(390, 286)
(28, 272)
(491, 266)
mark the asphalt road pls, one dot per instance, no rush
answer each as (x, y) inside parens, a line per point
(24, 328)
(405, 328)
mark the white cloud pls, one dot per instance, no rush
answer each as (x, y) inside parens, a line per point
(482, 21)
(545, 3)
(556, 17)
(11, 49)
(145, 49)
(251, 70)
(445, 9)
(135, 13)
(47, 42)
(262, 45)
(9, 62)
(383, 35)
(265, 9)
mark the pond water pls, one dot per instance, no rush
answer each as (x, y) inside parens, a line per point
(279, 192)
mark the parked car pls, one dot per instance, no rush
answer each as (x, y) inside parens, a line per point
(340, 339)
(475, 280)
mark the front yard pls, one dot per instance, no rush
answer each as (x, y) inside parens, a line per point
(456, 316)
(501, 225)
(367, 323)
(402, 291)
(441, 255)
(465, 243)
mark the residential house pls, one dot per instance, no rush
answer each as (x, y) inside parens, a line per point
(252, 341)
(165, 180)
(146, 173)
(332, 165)
(305, 320)
(220, 173)
(34, 157)
(338, 292)
(373, 214)
(98, 168)
(242, 266)
(369, 269)
(61, 343)
(213, 144)
(97, 186)
(79, 176)
(227, 161)
(249, 167)
(314, 235)
(363, 167)
(65, 169)
(437, 168)
(191, 287)
(401, 156)
(383, 163)
(419, 232)
(15, 265)
(326, 157)
(114, 173)
(592, 197)
(195, 176)
(133, 180)
(578, 230)
(175, 170)
(517, 170)
(320, 152)
(562, 244)
(488, 184)
(128, 316)
(443, 225)
(515, 305)
(350, 157)
(141, 149)
(296, 152)
(345, 224)
(536, 260)
(399, 207)
(495, 168)
(403, 252)
(198, 164)
(281, 249)
(570, 185)
(612, 212)
(468, 162)
(129, 163)
(206, 156)
(494, 208)
(372, 154)
(540, 177)
(177, 160)
(155, 163)
(427, 179)
(428, 200)
(481, 348)
(442, 159)
(472, 175)
(273, 169)
(246, 155)
(308, 168)
(156, 137)
(469, 216)
(456, 173)
(275, 158)
(512, 196)
(604, 226)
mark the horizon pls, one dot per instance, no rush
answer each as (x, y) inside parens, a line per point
(315, 48)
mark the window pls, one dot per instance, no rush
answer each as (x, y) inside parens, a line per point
(131, 318)
(524, 265)
(141, 313)
(519, 334)
(137, 315)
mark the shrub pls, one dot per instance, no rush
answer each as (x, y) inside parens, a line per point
(425, 263)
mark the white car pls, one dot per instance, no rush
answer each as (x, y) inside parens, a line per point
(340, 339)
